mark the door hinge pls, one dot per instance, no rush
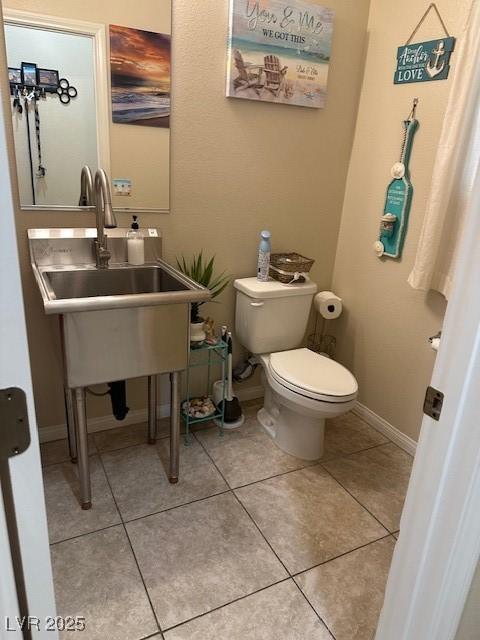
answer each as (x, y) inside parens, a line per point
(14, 429)
(433, 403)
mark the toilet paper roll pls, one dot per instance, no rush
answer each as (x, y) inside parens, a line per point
(328, 305)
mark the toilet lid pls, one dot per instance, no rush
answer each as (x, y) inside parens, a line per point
(313, 375)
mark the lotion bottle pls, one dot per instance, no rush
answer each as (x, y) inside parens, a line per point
(135, 244)
(264, 251)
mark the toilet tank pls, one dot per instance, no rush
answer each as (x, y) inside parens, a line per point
(271, 316)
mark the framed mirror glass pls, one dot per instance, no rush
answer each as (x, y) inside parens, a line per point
(90, 85)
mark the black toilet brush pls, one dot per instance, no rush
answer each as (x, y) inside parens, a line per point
(232, 416)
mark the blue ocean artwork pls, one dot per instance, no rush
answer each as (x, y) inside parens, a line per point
(279, 51)
(130, 106)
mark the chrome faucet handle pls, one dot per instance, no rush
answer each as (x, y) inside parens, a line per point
(103, 255)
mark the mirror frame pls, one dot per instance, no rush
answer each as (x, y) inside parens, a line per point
(98, 32)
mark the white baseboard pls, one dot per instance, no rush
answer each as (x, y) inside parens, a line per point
(380, 424)
(103, 423)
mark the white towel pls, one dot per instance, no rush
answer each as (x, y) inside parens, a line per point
(457, 160)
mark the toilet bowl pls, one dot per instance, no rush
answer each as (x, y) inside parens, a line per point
(302, 388)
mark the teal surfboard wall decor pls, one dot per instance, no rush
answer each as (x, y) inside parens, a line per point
(424, 61)
(394, 222)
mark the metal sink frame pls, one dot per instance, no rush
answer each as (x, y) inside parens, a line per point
(116, 323)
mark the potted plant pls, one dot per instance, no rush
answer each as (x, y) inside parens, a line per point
(202, 272)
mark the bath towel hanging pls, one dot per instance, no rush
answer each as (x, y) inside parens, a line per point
(456, 162)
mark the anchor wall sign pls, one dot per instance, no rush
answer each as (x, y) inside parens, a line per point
(424, 61)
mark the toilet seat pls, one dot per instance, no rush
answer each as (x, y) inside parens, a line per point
(312, 375)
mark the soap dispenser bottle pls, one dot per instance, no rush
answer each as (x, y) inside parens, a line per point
(135, 244)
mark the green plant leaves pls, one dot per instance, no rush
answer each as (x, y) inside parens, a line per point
(203, 273)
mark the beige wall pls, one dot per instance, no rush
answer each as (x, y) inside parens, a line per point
(469, 628)
(383, 334)
(130, 145)
(237, 167)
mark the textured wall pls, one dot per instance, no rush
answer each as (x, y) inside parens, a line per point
(237, 167)
(383, 333)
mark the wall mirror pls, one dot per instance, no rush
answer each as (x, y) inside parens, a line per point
(90, 85)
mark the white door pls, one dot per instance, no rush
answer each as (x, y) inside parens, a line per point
(439, 545)
(20, 475)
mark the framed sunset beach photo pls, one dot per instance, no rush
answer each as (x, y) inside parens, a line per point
(140, 77)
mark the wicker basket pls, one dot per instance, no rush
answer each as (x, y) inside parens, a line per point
(289, 267)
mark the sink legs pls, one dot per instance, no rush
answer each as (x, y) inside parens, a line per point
(82, 441)
(174, 426)
(78, 436)
(152, 409)
(71, 426)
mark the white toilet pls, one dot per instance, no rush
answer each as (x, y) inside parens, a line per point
(302, 388)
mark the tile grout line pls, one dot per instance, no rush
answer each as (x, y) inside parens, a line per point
(246, 511)
(314, 610)
(87, 533)
(222, 606)
(292, 576)
(163, 437)
(289, 577)
(153, 635)
(340, 555)
(356, 500)
(320, 463)
(312, 464)
(146, 515)
(300, 468)
(97, 450)
(133, 552)
(263, 536)
(230, 488)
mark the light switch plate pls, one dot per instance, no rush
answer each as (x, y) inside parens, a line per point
(122, 187)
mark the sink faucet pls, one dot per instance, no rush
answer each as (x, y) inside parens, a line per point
(86, 188)
(104, 216)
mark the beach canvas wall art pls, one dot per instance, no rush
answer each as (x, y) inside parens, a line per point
(140, 77)
(279, 51)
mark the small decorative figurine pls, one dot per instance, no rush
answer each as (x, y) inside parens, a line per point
(208, 327)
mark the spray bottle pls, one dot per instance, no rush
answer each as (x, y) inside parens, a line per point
(264, 251)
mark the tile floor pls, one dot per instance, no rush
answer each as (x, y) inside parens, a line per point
(251, 544)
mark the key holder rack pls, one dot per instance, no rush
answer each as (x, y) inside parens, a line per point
(29, 85)
(32, 82)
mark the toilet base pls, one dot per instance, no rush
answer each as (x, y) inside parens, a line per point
(299, 435)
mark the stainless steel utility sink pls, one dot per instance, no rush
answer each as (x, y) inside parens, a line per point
(115, 281)
(135, 316)
(63, 262)
(116, 323)
(71, 288)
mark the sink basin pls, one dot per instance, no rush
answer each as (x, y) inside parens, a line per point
(63, 264)
(136, 317)
(115, 281)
